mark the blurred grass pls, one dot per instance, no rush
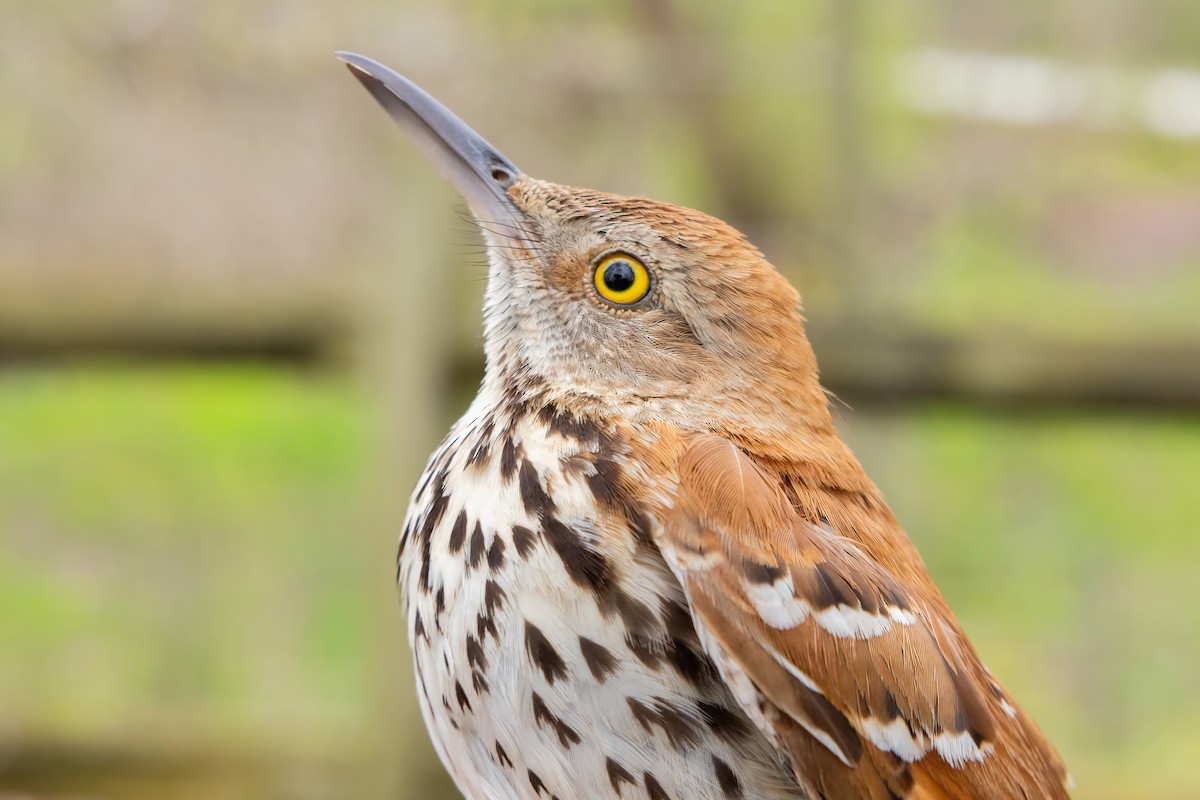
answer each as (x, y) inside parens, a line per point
(177, 546)
(180, 554)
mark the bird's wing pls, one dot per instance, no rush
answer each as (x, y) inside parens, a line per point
(864, 684)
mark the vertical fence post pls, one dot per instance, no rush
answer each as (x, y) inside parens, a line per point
(404, 357)
(852, 170)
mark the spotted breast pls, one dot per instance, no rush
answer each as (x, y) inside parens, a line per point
(554, 649)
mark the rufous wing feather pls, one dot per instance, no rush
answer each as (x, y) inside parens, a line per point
(863, 681)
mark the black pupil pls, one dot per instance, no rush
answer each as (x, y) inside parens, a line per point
(619, 276)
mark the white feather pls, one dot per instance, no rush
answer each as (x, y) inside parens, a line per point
(777, 604)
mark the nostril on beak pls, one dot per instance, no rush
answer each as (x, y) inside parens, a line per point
(502, 176)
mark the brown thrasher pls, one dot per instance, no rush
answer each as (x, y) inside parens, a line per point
(643, 564)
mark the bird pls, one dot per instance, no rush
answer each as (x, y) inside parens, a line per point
(643, 564)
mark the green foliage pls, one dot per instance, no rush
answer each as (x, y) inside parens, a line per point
(177, 544)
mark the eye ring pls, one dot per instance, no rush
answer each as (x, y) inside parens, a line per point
(621, 279)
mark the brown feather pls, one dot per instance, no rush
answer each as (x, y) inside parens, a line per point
(863, 677)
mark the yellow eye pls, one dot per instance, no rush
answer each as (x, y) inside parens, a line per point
(622, 279)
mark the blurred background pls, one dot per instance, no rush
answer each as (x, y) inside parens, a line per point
(237, 311)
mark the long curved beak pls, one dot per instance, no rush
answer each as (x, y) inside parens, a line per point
(478, 171)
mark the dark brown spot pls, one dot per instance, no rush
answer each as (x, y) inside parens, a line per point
(763, 573)
(485, 624)
(426, 558)
(639, 525)
(516, 400)
(677, 726)
(648, 651)
(693, 665)
(536, 783)
(475, 551)
(892, 595)
(502, 757)
(972, 714)
(404, 537)
(598, 658)
(480, 683)
(435, 467)
(514, 397)
(533, 496)
(419, 631)
(728, 724)
(605, 483)
(493, 596)
(542, 715)
(678, 619)
(533, 384)
(639, 620)
(832, 589)
(684, 650)
(618, 775)
(508, 458)
(654, 789)
(566, 424)
(523, 540)
(475, 655)
(458, 532)
(727, 779)
(495, 554)
(543, 655)
(461, 695)
(891, 709)
(585, 566)
(437, 507)
(479, 452)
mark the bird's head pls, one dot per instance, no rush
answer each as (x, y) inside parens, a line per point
(621, 304)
